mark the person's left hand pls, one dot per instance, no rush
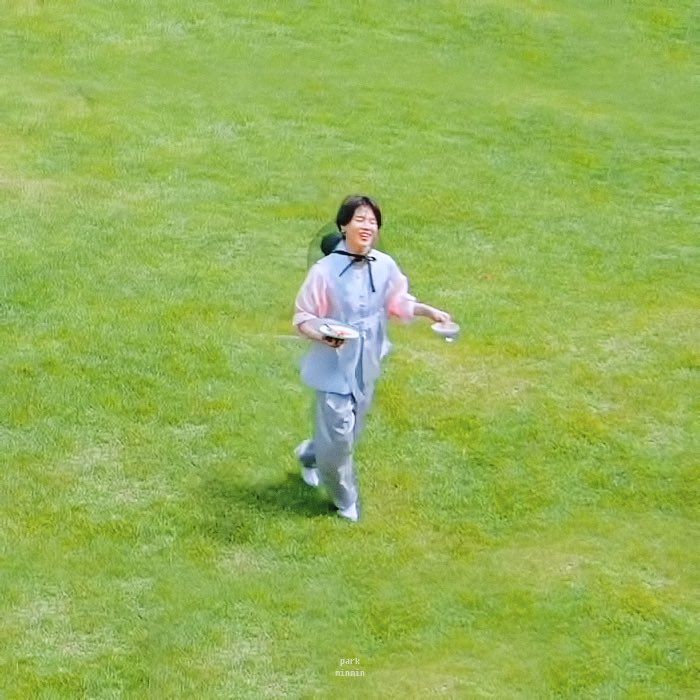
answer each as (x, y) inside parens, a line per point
(441, 316)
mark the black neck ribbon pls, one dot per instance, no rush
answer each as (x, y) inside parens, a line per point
(358, 258)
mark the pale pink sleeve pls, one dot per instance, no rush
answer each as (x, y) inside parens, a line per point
(313, 300)
(400, 303)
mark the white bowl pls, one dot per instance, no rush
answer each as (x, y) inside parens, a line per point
(449, 330)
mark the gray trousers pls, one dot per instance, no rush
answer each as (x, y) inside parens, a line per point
(339, 422)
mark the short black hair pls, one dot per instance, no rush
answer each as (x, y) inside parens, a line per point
(351, 203)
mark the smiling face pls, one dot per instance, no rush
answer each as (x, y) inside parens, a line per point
(361, 230)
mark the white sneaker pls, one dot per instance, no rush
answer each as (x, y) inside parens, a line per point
(300, 451)
(350, 513)
(309, 474)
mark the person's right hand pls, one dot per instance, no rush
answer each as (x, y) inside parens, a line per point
(333, 342)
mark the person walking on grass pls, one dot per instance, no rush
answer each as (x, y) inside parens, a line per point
(354, 289)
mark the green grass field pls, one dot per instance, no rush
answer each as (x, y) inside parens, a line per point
(530, 493)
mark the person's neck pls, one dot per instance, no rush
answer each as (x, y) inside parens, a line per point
(362, 250)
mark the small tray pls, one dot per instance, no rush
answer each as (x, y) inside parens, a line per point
(339, 331)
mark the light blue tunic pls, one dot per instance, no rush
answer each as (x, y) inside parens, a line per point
(327, 295)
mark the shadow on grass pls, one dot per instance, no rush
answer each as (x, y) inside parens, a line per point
(235, 511)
